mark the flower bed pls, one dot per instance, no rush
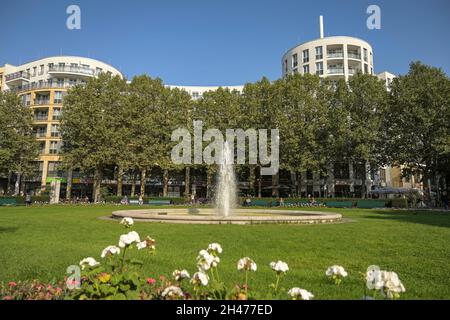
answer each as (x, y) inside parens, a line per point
(115, 276)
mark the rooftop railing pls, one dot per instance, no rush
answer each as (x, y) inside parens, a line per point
(17, 75)
(72, 69)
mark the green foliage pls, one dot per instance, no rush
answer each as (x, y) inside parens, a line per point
(417, 121)
(18, 147)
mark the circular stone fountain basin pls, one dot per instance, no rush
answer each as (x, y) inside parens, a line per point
(239, 216)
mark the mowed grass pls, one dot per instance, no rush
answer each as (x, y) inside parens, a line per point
(40, 242)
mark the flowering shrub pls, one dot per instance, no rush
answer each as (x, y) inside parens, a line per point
(116, 276)
(336, 273)
(385, 282)
(33, 290)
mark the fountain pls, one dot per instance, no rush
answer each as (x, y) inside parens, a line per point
(226, 202)
(226, 199)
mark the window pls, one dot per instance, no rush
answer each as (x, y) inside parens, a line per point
(341, 171)
(365, 54)
(73, 67)
(40, 132)
(57, 112)
(55, 131)
(366, 68)
(60, 82)
(58, 97)
(306, 68)
(41, 70)
(34, 71)
(195, 95)
(285, 66)
(305, 56)
(295, 70)
(319, 68)
(53, 170)
(50, 66)
(42, 148)
(26, 99)
(55, 147)
(294, 60)
(319, 53)
(98, 70)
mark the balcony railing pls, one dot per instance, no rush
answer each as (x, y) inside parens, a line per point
(17, 75)
(41, 102)
(41, 117)
(337, 54)
(353, 71)
(72, 69)
(335, 70)
(43, 85)
(354, 55)
(39, 134)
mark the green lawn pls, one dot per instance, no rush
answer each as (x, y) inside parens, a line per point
(40, 242)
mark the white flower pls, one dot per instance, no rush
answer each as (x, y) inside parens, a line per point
(300, 294)
(214, 248)
(127, 222)
(110, 250)
(88, 261)
(336, 270)
(141, 245)
(279, 266)
(392, 285)
(200, 278)
(246, 264)
(387, 282)
(205, 260)
(172, 292)
(374, 279)
(180, 274)
(128, 239)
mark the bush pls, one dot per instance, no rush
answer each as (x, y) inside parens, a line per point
(398, 203)
(116, 199)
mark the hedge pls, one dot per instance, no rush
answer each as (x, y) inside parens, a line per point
(21, 199)
(117, 199)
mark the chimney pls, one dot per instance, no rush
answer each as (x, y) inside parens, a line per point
(321, 26)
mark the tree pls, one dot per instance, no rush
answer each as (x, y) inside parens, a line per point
(94, 126)
(220, 110)
(366, 102)
(18, 147)
(417, 123)
(301, 116)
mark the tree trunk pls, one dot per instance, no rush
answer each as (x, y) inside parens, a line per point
(251, 180)
(299, 184)
(69, 184)
(96, 194)
(9, 187)
(187, 182)
(259, 182)
(17, 184)
(133, 186)
(143, 176)
(119, 181)
(165, 182)
(293, 187)
(275, 183)
(209, 177)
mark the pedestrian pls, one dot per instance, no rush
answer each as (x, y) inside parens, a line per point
(28, 200)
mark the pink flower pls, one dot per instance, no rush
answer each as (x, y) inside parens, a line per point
(7, 298)
(49, 287)
(162, 278)
(151, 281)
(12, 284)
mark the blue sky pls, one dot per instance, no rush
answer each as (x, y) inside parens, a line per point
(219, 42)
